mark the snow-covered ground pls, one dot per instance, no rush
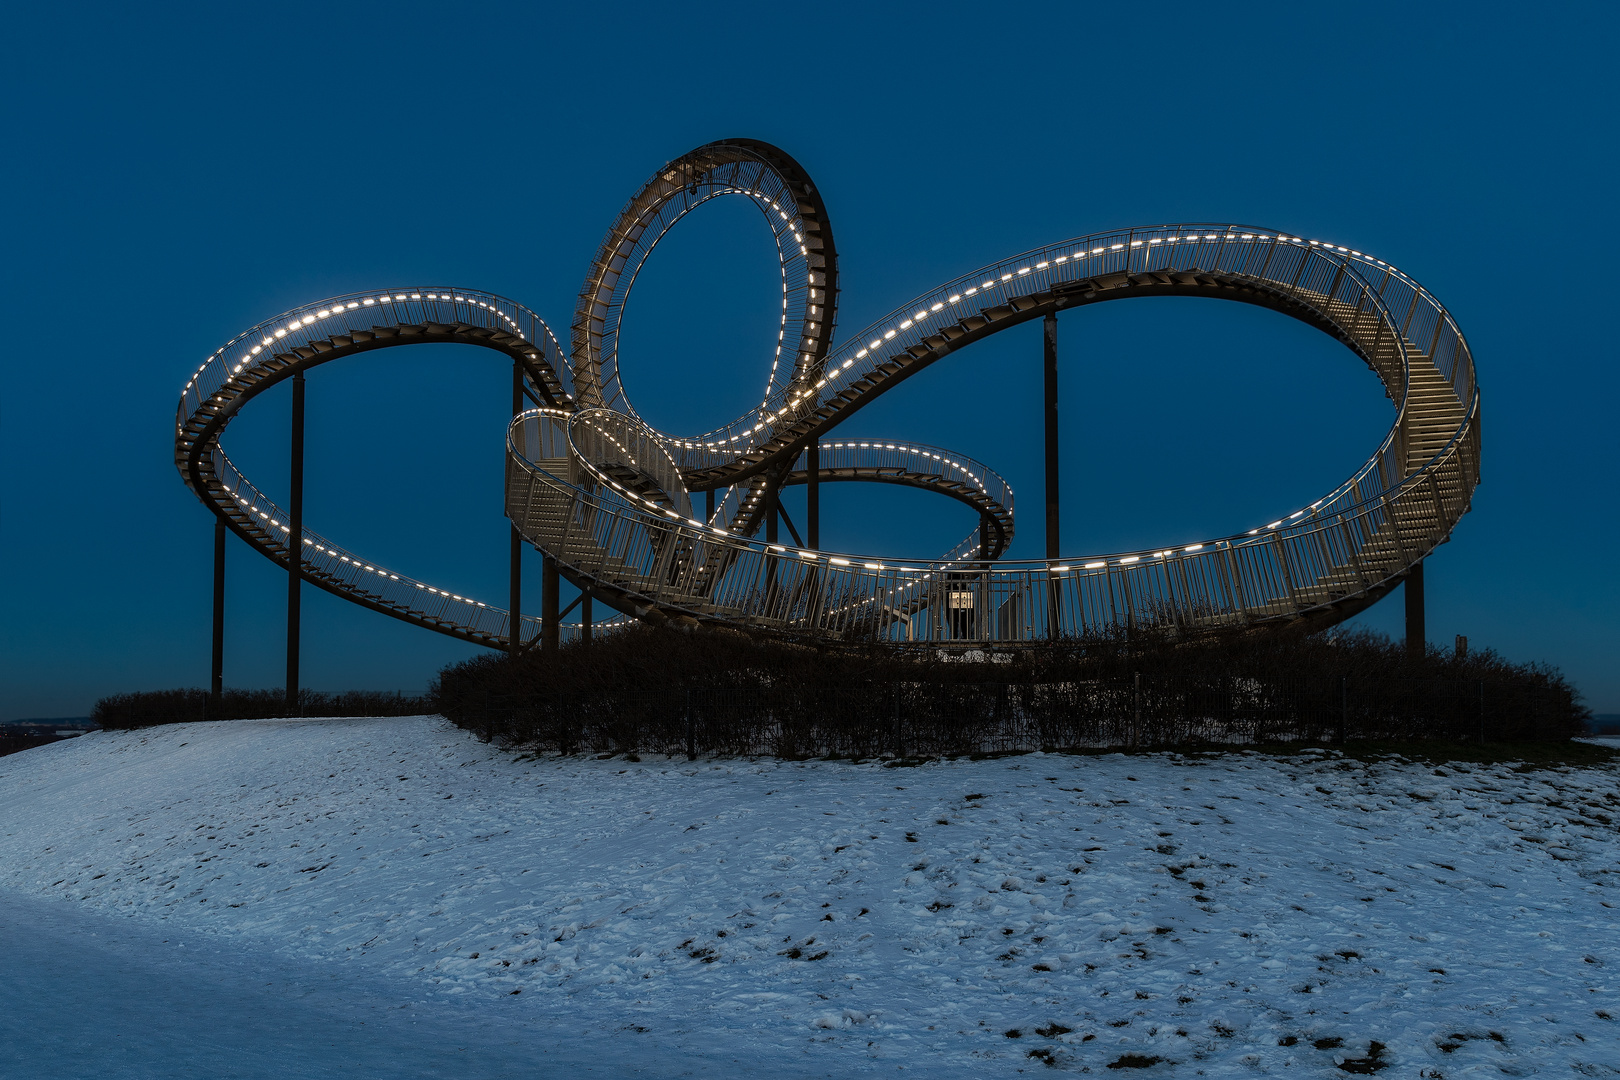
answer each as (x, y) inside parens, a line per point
(1228, 916)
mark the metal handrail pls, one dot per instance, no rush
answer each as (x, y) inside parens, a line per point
(1234, 248)
(914, 457)
(252, 360)
(607, 495)
(823, 593)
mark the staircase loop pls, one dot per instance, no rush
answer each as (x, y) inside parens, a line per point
(611, 498)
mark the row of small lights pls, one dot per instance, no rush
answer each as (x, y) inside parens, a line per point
(1123, 561)
(755, 497)
(1095, 565)
(894, 592)
(253, 507)
(650, 504)
(835, 560)
(804, 357)
(921, 314)
(840, 561)
(921, 452)
(342, 308)
(964, 470)
(767, 199)
(965, 557)
(337, 309)
(1044, 264)
(905, 324)
(804, 252)
(660, 510)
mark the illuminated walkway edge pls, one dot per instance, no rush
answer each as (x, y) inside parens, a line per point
(612, 499)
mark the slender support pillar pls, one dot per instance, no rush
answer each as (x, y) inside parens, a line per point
(514, 600)
(550, 623)
(585, 619)
(295, 542)
(708, 506)
(771, 518)
(983, 604)
(1054, 594)
(514, 573)
(217, 682)
(1052, 538)
(1416, 634)
(812, 525)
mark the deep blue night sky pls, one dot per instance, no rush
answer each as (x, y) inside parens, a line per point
(174, 176)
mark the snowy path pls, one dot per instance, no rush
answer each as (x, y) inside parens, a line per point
(1229, 916)
(84, 996)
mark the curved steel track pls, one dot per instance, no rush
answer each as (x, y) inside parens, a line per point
(610, 498)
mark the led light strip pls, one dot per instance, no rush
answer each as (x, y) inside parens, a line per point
(602, 440)
(293, 331)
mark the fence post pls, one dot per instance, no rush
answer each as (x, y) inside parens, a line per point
(691, 730)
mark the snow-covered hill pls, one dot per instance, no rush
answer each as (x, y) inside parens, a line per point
(1224, 915)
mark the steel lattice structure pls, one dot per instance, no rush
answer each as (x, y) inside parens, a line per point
(609, 498)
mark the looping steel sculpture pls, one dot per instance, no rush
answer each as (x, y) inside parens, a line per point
(607, 496)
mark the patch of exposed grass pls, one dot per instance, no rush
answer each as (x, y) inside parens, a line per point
(1134, 1061)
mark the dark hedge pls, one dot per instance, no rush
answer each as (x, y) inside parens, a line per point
(147, 708)
(716, 691)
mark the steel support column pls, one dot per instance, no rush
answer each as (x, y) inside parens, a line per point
(217, 681)
(514, 601)
(812, 494)
(585, 619)
(1050, 340)
(982, 610)
(295, 542)
(550, 584)
(1053, 541)
(771, 516)
(1416, 633)
(514, 571)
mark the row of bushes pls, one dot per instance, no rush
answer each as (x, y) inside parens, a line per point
(723, 692)
(718, 691)
(15, 741)
(147, 708)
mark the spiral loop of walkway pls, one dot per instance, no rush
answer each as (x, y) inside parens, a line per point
(611, 498)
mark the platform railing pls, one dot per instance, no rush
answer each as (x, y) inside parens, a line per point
(648, 545)
(910, 457)
(1276, 573)
(325, 560)
(1305, 268)
(254, 352)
